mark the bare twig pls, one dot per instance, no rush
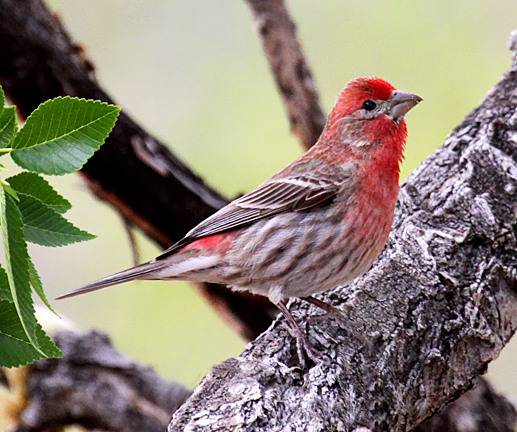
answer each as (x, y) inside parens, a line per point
(290, 69)
(133, 243)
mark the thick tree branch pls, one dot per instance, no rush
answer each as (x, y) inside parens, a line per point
(437, 306)
(290, 69)
(480, 409)
(409, 347)
(96, 387)
(133, 172)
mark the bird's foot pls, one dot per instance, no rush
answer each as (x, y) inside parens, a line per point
(303, 346)
(334, 312)
(305, 349)
(330, 310)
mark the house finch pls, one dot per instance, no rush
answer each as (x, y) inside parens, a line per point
(318, 223)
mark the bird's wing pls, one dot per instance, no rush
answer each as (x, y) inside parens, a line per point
(300, 192)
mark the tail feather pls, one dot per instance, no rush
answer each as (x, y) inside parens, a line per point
(133, 273)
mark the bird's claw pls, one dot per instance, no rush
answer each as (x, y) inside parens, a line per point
(305, 349)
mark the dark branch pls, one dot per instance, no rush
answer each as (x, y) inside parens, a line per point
(417, 322)
(133, 172)
(96, 387)
(480, 409)
(290, 69)
(437, 306)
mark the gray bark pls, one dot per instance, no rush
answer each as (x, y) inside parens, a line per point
(437, 306)
(478, 410)
(96, 387)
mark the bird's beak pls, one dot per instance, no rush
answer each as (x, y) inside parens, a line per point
(401, 102)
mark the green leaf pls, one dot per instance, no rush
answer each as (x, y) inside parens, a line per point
(16, 261)
(8, 189)
(33, 184)
(62, 134)
(10, 324)
(44, 226)
(22, 340)
(15, 348)
(8, 126)
(46, 345)
(2, 98)
(5, 290)
(14, 353)
(35, 282)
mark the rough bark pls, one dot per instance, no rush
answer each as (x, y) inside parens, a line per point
(437, 306)
(480, 409)
(96, 387)
(292, 74)
(133, 172)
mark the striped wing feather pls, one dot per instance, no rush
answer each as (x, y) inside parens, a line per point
(277, 195)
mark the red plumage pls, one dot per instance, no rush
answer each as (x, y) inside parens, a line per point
(318, 223)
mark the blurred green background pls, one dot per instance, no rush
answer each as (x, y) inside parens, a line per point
(193, 74)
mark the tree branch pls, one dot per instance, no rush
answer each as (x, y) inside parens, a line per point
(412, 352)
(290, 69)
(96, 387)
(480, 409)
(437, 306)
(133, 172)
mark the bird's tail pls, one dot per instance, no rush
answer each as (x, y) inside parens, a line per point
(142, 271)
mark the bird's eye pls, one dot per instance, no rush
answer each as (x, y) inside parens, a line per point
(369, 105)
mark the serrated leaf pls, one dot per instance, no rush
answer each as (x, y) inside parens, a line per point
(62, 134)
(16, 263)
(15, 348)
(44, 226)
(5, 290)
(38, 286)
(33, 184)
(2, 98)
(8, 126)
(10, 324)
(46, 345)
(14, 353)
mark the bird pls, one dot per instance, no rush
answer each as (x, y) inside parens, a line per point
(317, 224)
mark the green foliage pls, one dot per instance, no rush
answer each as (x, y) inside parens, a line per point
(43, 144)
(57, 138)
(44, 226)
(7, 126)
(33, 184)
